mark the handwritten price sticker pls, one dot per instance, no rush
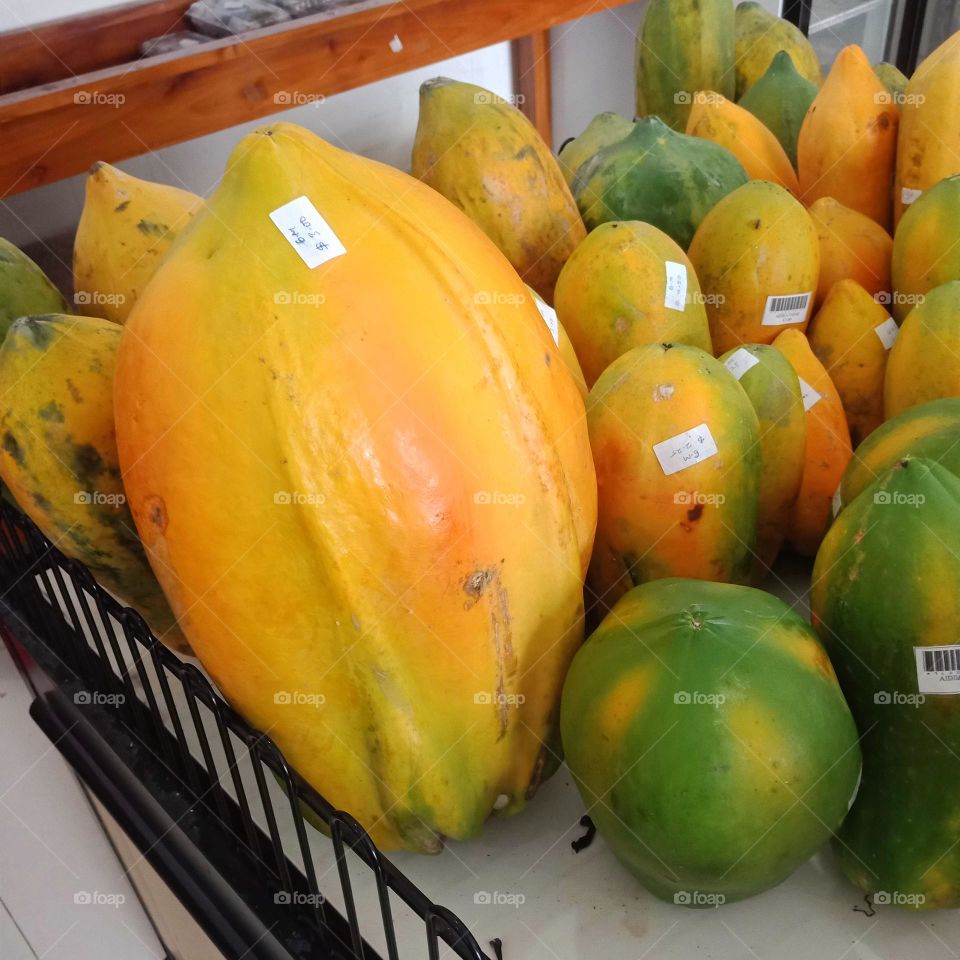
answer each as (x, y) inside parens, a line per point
(685, 449)
(307, 232)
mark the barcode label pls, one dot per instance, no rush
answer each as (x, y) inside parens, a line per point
(549, 318)
(909, 195)
(810, 396)
(938, 669)
(675, 294)
(739, 362)
(887, 332)
(783, 310)
(307, 232)
(685, 449)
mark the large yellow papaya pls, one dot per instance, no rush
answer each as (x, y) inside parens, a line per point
(486, 157)
(382, 561)
(757, 257)
(760, 36)
(629, 284)
(58, 455)
(848, 142)
(928, 147)
(126, 228)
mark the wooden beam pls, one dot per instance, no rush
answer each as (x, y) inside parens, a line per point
(60, 130)
(531, 69)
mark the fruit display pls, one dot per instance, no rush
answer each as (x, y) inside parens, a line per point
(25, 289)
(675, 442)
(692, 720)
(684, 46)
(626, 285)
(758, 261)
(485, 156)
(890, 630)
(126, 228)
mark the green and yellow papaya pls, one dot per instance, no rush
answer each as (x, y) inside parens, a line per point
(893, 79)
(760, 36)
(601, 131)
(25, 290)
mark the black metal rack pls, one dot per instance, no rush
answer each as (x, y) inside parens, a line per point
(144, 731)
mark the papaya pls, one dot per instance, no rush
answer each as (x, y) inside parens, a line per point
(928, 430)
(714, 117)
(58, 455)
(485, 156)
(628, 284)
(684, 46)
(773, 388)
(848, 141)
(392, 418)
(780, 100)
(851, 246)
(893, 79)
(925, 249)
(694, 720)
(885, 588)
(125, 230)
(760, 36)
(659, 176)
(25, 289)
(675, 444)
(758, 260)
(601, 131)
(928, 147)
(567, 353)
(827, 450)
(924, 363)
(851, 335)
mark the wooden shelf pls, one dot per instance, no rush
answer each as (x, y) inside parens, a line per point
(71, 92)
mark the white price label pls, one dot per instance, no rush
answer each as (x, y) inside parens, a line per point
(675, 296)
(685, 449)
(739, 362)
(791, 308)
(549, 318)
(909, 195)
(307, 232)
(938, 669)
(887, 332)
(810, 396)
(837, 502)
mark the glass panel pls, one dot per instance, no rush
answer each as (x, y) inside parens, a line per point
(941, 20)
(835, 24)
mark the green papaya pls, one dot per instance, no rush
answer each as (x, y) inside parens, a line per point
(24, 288)
(601, 131)
(659, 176)
(892, 78)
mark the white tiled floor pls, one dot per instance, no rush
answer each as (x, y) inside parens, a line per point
(54, 854)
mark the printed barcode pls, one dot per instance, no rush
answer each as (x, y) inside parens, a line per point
(779, 304)
(941, 661)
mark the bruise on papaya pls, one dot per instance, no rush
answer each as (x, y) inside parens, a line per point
(51, 412)
(12, 447)
(86, 462)
(152, 229)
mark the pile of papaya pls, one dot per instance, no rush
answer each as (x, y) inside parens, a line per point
(449, 477)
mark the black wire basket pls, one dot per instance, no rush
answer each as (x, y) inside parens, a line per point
(191, 783)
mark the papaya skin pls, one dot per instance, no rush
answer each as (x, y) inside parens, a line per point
(58, 456)
(716, 118)
(893, 79)
(567, 353)
(827, 450)
(126, 229)
(843, 336)
(603, 130)
(852, 246)
(848, 142)
(25, 290)
(700, 521)
(611, 295)
(402, 481)
(924, 363)
(485, 157)
(758, 242)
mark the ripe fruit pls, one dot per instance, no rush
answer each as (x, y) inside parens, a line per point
(603, 129)
(25, 289)
(760, 36)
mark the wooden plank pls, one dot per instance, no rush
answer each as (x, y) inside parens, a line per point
(531, 68)
(66, 48)
(58, 131)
